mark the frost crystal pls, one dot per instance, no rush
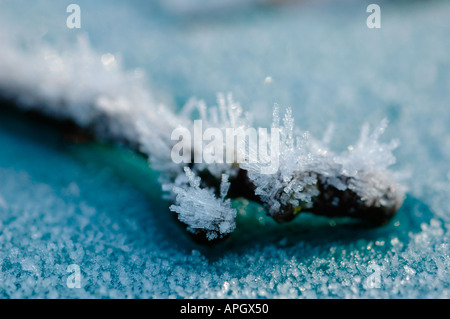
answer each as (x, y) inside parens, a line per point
(303, 161)
(201, 210)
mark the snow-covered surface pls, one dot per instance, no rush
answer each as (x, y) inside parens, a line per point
(93, 90)
(59, 208)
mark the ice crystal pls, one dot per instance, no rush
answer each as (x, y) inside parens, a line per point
(201, 210)
(303, 160)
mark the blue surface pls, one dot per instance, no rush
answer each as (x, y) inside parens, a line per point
(99, 206)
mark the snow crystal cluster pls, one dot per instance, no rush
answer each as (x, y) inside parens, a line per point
(303, 160)
(200, 209)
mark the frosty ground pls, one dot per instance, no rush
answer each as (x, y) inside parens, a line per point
(100, 207)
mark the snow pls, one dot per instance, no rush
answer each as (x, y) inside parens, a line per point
(62, 207)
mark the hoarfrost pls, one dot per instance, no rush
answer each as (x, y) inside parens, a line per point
(201, 210)
(62, 84)
(153, 260)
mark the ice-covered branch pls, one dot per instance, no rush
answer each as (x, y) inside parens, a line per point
(95, 93)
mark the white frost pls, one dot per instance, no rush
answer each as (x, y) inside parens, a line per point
(94, 91)
(201, 210)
